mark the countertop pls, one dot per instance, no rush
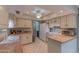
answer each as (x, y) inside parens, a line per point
(59, 37)
(10, 39)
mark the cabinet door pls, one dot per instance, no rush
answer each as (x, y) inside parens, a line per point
(69, 21)
(55, 22)
(26, 38)
(24, 23)
(3, 18)
(19, 23)
(28, 23)
(72, 21)
(63, 22)
(50, 23)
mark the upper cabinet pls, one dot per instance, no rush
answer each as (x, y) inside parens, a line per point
(63, 23)
(54, 22)
(67, 21)
(23, 23)
(3, 19)
(72, 21)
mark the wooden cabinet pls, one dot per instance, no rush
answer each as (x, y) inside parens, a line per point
(72, 21)
(57, 21)
(28, 23)
(3, 18)
(54, 22)
(23, 23)
(19, 23)
(69, 21)
(63, 23)
(26, 38)
(50, 23)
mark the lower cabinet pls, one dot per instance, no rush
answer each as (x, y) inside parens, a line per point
(65, 47)
(54, 46)
(26, 38)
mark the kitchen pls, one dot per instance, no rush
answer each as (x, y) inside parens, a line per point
(40, 28)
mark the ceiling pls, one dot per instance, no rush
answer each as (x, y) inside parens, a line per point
(54, 9)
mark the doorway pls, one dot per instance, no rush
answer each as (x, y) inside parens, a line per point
(36, 29)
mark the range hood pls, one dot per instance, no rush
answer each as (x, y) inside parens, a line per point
(11, 22)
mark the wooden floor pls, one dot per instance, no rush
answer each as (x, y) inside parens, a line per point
(37, 47)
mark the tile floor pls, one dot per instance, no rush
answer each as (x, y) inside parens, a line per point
(37, 47)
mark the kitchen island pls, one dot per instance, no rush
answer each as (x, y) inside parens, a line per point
(58, 43)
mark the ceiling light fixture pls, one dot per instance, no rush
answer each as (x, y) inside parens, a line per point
(61, 11)
(38, 16)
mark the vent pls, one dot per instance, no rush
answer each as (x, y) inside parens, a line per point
(17, 12)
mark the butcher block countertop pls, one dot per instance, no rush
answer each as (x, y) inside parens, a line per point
(59, 37)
